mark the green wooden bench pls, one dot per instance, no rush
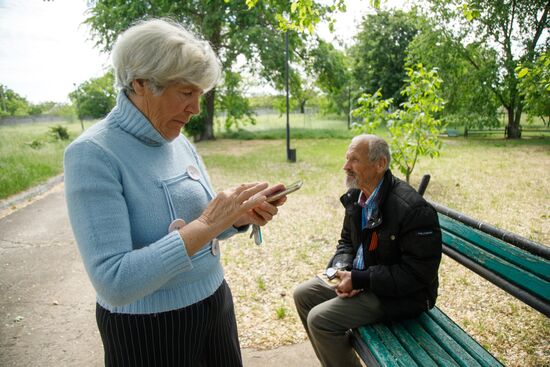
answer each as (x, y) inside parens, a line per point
(517, 265)
(468, 132)
(452, 132)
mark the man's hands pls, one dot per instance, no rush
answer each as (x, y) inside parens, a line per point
(345, 288)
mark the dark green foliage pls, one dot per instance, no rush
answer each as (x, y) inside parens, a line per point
(95, 97)
(11, 103)
(513, 30)
(333, 76)
(535, 86)
(467, 102)
(379, 54)
(232, 101)
(196, 124)
(59, 132)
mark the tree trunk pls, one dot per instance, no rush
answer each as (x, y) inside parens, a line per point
(513, 130)
(208, 131)
(303, 107)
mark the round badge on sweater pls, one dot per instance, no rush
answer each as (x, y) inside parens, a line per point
(193, 172)
(176, 225)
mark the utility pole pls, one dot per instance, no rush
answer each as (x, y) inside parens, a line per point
(290, 153)
(78, 105)
(349, 107)
(3, 98)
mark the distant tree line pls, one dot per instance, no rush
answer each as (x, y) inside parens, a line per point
(491, 56)
(13, 104)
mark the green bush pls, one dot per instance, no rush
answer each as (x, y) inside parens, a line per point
(59, 132)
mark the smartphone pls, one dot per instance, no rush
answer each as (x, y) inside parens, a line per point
(290, 188)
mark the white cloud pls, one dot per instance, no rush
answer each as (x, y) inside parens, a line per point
(44, 48)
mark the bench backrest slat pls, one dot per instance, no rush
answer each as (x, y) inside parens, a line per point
(523, 243)
(512, 254)
(506, 270)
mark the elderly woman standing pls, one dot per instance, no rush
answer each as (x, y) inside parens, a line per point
(145, 216)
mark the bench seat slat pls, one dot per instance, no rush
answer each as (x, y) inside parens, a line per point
(376, 346)
(503, 268)
(407, 340)
(429, 344)
(523, 259)
(392, 344)
(461, 337)
(432, 339)
(459, 354)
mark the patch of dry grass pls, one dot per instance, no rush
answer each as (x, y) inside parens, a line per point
(502, 183)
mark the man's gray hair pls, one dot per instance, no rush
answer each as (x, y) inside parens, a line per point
(378, 147)
(163, 52)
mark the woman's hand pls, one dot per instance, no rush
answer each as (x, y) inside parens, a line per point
(221, 213)
(264, 212)
(231, 204)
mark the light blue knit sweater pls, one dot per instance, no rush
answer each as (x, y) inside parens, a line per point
(124, 185)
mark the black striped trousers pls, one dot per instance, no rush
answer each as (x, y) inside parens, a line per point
(202, 334)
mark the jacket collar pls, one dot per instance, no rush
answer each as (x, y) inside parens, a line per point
(132, 121)
(350, 198)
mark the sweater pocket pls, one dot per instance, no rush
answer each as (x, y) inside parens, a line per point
(186, 196)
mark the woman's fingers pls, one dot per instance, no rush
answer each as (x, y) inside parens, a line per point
(247, 196)
(273, 189)
(247, 191)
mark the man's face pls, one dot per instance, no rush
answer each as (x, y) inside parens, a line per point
(361, 173)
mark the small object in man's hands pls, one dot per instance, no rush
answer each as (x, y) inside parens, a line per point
(289, 189)
(331, 273)
(331, 282)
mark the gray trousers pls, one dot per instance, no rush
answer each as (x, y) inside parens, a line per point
(327, 317)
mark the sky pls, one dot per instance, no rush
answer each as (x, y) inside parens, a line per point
(45, 50)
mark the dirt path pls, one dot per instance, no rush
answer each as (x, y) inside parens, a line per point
(45, 298)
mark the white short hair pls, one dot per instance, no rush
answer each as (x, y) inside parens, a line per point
(378, 147)
(163, 52)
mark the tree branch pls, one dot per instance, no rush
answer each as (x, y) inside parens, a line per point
(541, 26)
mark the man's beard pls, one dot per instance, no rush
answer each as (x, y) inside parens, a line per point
(351, 181)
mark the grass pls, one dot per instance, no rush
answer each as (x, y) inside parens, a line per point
(30, 155)
(273, 126)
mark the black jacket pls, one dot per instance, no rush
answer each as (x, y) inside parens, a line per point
(401, 267)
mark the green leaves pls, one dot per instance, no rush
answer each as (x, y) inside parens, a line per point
(470, 11)
(304, 15)
(380, 52)
(414, 128)
(534, 86)
(522, 72)
(95, 97)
